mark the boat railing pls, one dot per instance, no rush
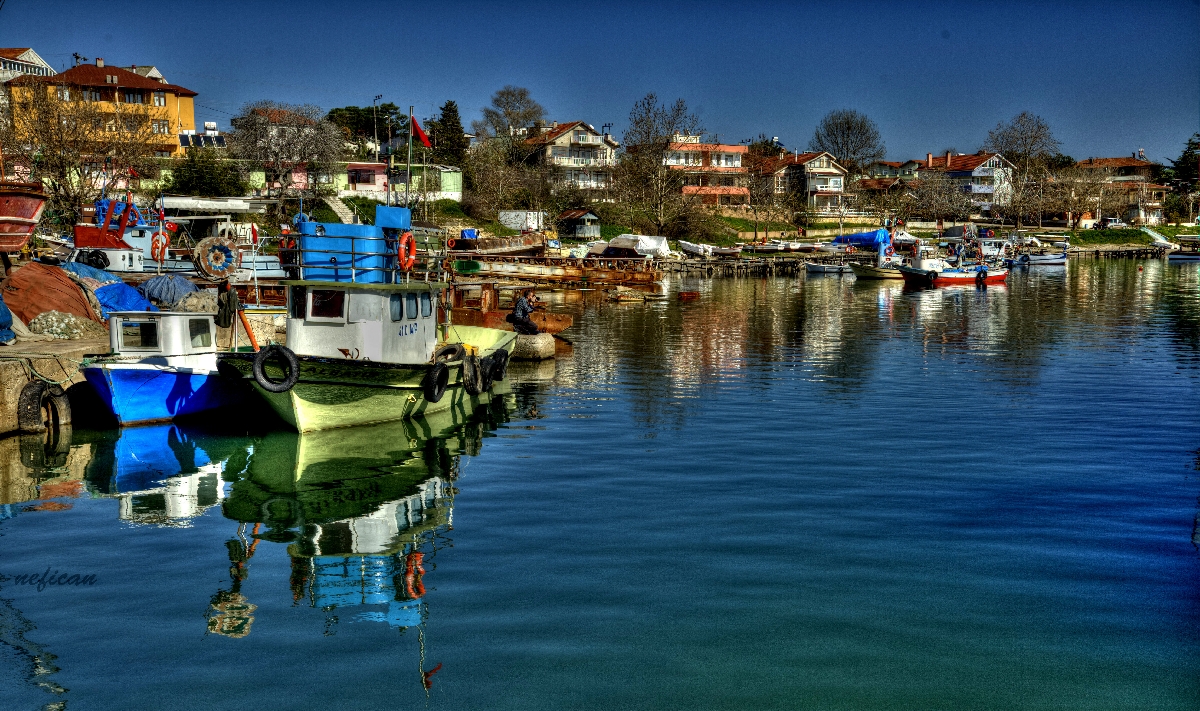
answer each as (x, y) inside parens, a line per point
(301, 260)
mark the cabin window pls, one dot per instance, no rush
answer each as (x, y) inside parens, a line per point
(426, 305)
(396, 306)
(410, 301)
(297, 299)
(200, 333)
(139, 335)
(328, 304)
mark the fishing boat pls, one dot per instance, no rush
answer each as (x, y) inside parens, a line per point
(528, 244)
(1038, 260)
(364, 342)
(161, 366)
(817, 268)
(888, 270)
(936, 272)
(21, 206)
(707, 250)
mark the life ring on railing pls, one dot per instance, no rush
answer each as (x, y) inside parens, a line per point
(159, 244)
(450, 243)
(406, 252)
(889, 251)
(850, 249)
(991, 233)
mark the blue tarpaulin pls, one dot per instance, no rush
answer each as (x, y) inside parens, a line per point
(6, 334)
(167, 288)
(121, 297)
(89, 272)
(868, 240)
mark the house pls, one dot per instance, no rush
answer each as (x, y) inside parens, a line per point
(370, 180)
(1134, 177)
(579, 223)
(150, 72)
(15, 61)
(816, 175)
(714, 173)
(893, 169)
(169, 107)
(985, 177)
(579, 155)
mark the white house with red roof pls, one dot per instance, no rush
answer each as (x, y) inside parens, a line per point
(985, 177)
(579, 155)
(15, 61)
(714, 173)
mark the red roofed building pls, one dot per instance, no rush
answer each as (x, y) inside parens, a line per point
(169, 107)
(1115, 168)
(817, 175)
(15, 61)
(985, 177)
(714, 171)
(580, 155)
(1134, 176)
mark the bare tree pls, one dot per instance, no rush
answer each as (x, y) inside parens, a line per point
(894, 202)
(281, 139)
(1029, 145)
(492, 183)
(643, 180)
(939, 198)
(851, 137)
(74, 145)
(507, 120)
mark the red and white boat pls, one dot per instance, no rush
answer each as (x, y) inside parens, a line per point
(21, 206)
(935, 271)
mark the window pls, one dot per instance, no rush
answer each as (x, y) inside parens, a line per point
(410, 305)
(162, 126)
(426, 305)
(396, 305)
(297, 299)
(160, 98)
(328, 304)
(200, 332)
(139, 335)
(132, 97)
(64, 93)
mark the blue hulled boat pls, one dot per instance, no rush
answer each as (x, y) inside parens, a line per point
(163, 365)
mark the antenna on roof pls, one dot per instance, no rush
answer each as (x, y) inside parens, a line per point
(79, 58)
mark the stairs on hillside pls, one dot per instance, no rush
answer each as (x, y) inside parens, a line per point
(345, 214)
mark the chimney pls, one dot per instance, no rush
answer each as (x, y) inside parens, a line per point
(948, 154)
(99, 61)
(928, 160)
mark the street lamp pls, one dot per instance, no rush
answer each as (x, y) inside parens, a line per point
(375, 123)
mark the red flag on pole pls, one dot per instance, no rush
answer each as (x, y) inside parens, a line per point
(419, 133)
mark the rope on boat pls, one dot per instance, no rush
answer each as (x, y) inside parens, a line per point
(27, 363)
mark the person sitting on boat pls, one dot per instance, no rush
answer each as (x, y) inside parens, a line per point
(288, 256)
(522, 308)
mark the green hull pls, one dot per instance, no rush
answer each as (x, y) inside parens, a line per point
(345, 393)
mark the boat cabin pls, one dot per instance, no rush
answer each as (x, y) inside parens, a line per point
(177, 339)
(386, 323)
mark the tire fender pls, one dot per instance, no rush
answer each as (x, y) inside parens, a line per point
(471, 377)
(433, 385)
(293, 367)
(42, 405)
(499, 365)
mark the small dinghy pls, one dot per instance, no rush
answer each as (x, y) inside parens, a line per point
(815, 268)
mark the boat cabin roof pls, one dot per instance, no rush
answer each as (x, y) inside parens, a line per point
(161, 333)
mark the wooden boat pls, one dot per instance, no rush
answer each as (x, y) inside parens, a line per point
(966, 276)
(591, 271)
(1188, 251)
(769, 248)
(21, 206)
(529, 244)
(364, 342)
(816, 268)
(483, 309)
(888, 270)
(161, 366)
(707, 250)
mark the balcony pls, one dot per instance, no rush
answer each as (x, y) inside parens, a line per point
(825, 188)
(975, 189)
(583, 162)
(587, 139)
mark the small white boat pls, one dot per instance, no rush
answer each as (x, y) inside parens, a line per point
(1189, 249)
(1038, 260)
(695, 249)
(815, 268)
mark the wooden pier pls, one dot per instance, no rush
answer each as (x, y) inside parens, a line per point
(775, 265)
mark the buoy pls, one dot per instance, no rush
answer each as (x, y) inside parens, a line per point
(535, 347)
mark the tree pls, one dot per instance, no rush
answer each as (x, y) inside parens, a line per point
(73, 146)
(362, 124)
(513, 111)
(491, 181)
(1183, 171)
(204, 172)
(762, 162)
(1028, 143)
(851, 137)
(652, 190)
(446, 133)
(939, 198)
(284, 139)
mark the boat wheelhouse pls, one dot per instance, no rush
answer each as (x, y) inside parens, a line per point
(1188, 251)
(162, 365)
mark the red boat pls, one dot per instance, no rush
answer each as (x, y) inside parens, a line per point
(948, 276)
(21, 206)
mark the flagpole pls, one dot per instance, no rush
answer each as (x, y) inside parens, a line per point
(408, 175)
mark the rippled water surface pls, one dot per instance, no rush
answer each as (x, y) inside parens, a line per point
(789, 493)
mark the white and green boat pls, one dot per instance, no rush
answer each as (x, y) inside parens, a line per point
(364, 343)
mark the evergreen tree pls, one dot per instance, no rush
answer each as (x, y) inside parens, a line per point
(203, 172)
(1184, 170)
(446, 133)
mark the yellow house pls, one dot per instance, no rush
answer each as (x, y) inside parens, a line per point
(170, 107)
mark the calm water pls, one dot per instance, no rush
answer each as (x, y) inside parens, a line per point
(787, 494)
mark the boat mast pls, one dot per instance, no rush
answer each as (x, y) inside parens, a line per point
(408, 178)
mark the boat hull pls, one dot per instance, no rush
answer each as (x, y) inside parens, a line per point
(334, 393)
(139, 394)
(867, 271)
(21, 206)
(812, 268)
(917, 277)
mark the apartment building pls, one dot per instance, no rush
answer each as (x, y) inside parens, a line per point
(985, 177)
(580, 155)
(714, 173)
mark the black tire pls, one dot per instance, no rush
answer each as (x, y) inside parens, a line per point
(433, 385)
(42, 406)
(97, 259)
(449, 353)
(485, 374)
(293, 367)
(48, 450)
(471, 380)
(499, 365)
(932, 276)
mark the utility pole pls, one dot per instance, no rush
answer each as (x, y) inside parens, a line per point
(375, 123)
(408, 171)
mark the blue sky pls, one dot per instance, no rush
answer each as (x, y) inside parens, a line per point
(1109, 77)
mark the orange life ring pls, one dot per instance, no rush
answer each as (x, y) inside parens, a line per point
(406, 252)
(850, 249)
(889, 251)
(159, 244)
(450, 243)
(413, 572)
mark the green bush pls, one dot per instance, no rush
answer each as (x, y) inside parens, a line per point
(449, 208)
(364, 207)
(323, 213)
(1118, 236)
(607, 232)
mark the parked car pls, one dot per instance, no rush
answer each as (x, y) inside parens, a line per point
(1114, 223)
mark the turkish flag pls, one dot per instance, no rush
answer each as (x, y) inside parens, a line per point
(419, 133)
